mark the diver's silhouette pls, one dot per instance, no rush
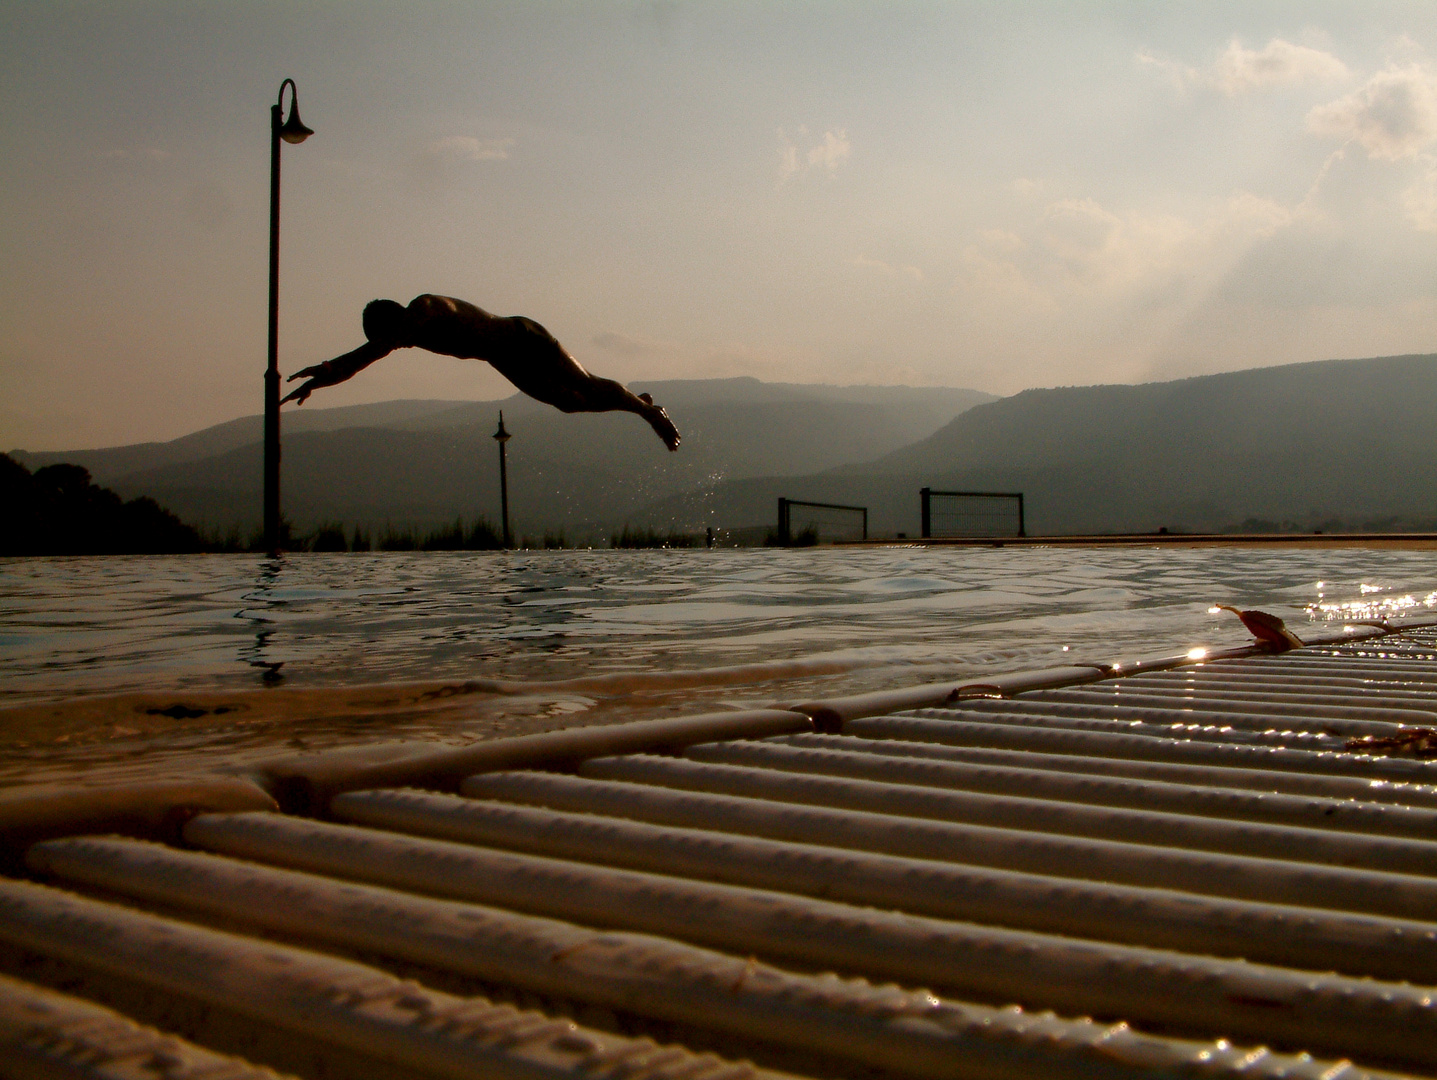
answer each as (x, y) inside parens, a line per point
(519, 349)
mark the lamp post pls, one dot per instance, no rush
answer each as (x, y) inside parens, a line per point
(501, 437)
(291, 131)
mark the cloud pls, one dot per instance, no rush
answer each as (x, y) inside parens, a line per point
(1280, 63)
(1076, 252)
(886, 268)
(1078, 231)
(1392, 116)
(1076, 284)
(458, 148)
(445, 165)
(1180, 74)
(1420, 200)
(727, 361)
(788, 166)
(634, 357)
(832, 152)
(828, 153)
(1240, 70)
(629, 347)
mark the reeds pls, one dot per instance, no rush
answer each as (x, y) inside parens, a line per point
(479, 536)
(652, 538)
(803, 538)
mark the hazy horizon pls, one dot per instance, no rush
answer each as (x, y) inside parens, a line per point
(506, 393)
(962, 195)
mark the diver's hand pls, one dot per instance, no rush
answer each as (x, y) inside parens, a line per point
(298, 396)
(310, 372)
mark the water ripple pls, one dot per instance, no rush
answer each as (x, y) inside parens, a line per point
(105, 659)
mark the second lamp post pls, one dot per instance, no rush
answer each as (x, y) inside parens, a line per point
(501, 437)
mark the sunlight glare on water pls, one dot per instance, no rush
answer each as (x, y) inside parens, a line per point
(232, 657)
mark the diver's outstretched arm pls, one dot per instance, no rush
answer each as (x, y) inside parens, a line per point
(333, 372)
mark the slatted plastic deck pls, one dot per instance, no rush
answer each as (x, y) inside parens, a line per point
(1177, 868)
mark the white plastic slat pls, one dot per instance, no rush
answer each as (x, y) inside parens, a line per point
(1332, 687)
(1283, 935)
(1276, 701)
(1343, 815)
(335, 1001)
(1211, 728)
(1413, 675)
(1206, 724)
(1402, 896)
(1299, 712)
(1390, 659)
(1327, 690)
(1386, 853)
(1406, 669)
(910, 1032)
(1288, 783)
(46, 1035)
(937, 725)
(1383, 1021)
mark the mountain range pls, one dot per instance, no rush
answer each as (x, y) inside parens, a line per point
(1337, 444)
(1331, 444)
(426, 462)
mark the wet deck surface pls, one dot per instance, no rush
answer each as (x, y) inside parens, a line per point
(1193, 869)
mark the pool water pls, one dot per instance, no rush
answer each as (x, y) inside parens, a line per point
(149, 666)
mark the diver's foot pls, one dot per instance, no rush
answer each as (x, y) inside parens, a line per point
(663, 426)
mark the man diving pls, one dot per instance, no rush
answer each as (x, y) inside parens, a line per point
(518, 348)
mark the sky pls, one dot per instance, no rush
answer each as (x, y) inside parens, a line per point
(987, 195)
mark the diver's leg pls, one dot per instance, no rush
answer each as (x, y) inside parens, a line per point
(606, 395)
(539, 366)
(591, 393)
(609, 396)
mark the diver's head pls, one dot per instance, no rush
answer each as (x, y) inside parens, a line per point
(386, 323)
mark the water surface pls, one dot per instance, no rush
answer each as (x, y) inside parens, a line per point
(155, 665)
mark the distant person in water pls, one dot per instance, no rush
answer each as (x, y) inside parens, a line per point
(519, 349)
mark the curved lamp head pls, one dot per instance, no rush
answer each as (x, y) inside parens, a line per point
(293, 129)
(502, 435)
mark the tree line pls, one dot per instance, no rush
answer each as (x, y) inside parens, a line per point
(59, 510)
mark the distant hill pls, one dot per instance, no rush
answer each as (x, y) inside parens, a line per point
(111, 463)
(1335, 443)
(425, 462)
